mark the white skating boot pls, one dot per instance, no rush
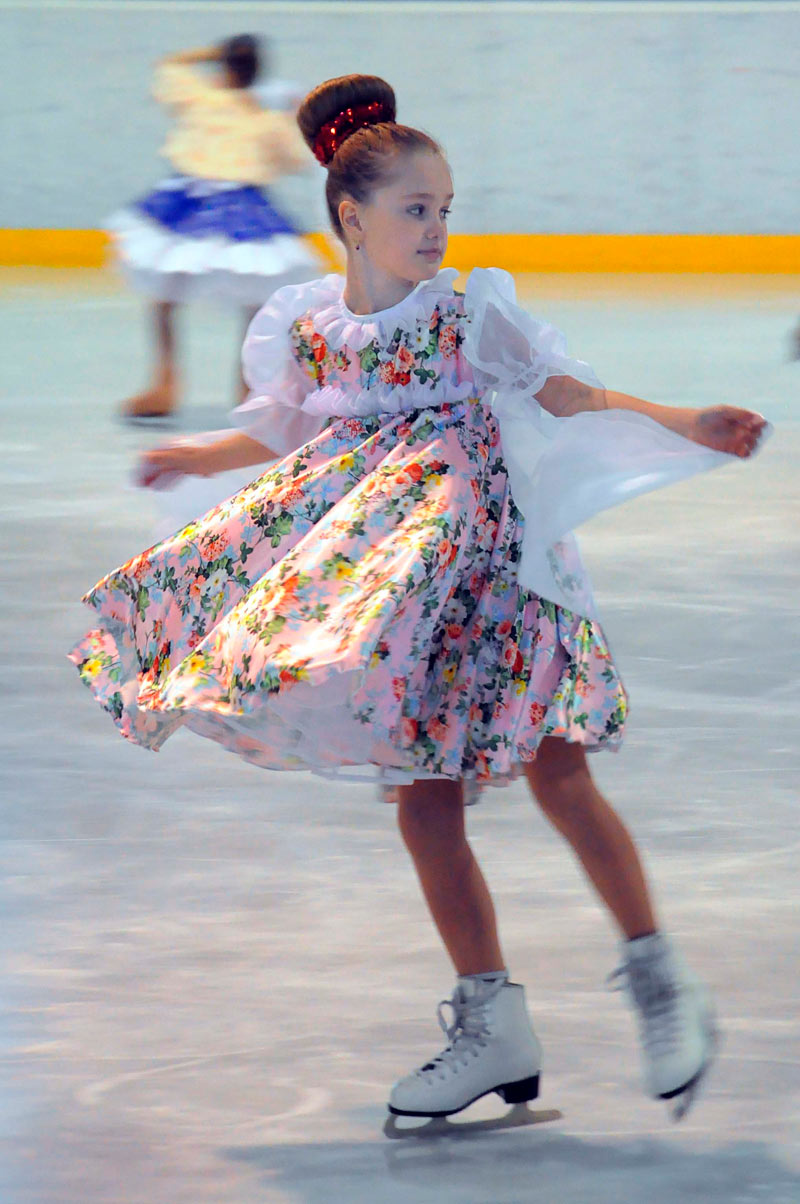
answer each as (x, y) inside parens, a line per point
(492, 1047)
(676, 1019)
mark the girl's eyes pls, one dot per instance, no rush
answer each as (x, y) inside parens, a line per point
(418, 211)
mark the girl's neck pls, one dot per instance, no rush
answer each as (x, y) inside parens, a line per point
(368, 291)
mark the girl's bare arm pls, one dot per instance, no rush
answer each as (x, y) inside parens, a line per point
(724, 428)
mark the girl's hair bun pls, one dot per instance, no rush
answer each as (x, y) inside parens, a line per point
(338, 107)
(350, 125)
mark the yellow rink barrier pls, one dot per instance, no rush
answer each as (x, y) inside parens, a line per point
(745, 253)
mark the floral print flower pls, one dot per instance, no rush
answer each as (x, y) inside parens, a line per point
(448, 341)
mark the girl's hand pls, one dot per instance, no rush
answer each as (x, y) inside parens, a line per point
(727, 429)
(159, 468)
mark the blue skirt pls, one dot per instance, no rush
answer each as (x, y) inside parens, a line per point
(192, 237)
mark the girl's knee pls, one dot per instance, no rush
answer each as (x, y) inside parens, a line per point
(560, 778)
(429, 813)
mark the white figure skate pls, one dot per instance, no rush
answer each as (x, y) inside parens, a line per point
(492, 1047)
(676, 1020)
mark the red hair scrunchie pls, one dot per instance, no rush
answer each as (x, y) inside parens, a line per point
(339, 128)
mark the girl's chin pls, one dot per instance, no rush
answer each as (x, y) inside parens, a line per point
(426, 268)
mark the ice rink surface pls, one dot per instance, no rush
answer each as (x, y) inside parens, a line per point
(212, 974)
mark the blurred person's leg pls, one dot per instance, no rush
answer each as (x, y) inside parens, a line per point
(161, 398)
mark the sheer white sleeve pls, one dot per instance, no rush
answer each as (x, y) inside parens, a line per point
(272, 412)
(562, 470)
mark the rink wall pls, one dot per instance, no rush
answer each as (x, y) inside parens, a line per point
(583, 136)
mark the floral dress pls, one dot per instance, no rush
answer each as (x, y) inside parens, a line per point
(376, 603)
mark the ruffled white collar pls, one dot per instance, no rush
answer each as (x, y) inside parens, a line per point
(338, 325)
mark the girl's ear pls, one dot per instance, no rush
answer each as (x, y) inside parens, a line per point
(348, 216)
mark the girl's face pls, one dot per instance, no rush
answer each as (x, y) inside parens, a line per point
(402, 228)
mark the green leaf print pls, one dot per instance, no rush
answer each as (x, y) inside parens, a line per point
(281, 526)
(241, 685)
(424, 374)
(272, 628)
(168, 580)
(369, 357)
(547, 610)
(616, 719)
(142, 601)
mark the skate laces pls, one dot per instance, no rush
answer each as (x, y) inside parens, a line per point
(655, 995)
(467, 1033)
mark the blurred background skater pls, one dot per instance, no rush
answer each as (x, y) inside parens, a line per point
(211, 230)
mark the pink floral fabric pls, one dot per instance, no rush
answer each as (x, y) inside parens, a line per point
(357, 606)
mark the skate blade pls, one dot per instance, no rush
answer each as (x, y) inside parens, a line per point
(518, 1117)
(681, 1103)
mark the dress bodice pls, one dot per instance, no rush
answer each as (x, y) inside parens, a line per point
(414, 360)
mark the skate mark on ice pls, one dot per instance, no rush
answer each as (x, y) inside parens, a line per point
(310, 1099)
(736, 862)
(520, 1116)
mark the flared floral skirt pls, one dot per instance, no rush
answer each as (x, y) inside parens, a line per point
(355, 610)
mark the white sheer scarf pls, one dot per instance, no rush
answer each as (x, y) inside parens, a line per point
(562, 471)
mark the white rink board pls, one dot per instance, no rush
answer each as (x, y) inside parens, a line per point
(557, 118)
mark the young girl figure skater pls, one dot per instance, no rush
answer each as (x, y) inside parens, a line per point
(211, 229)
(400, 594)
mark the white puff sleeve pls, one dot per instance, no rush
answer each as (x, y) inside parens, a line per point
(562, 470)
(272, 414)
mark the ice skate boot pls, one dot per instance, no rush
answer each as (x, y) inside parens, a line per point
(492, 1047)
(676, 1020)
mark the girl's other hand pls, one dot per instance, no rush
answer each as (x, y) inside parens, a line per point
(160, 467)
(727, 429)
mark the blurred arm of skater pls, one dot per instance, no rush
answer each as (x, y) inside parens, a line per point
(187, 58)
(184, 458)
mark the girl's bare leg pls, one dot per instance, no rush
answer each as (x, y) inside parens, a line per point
(162, 397)
(431, 820)
(565, 790)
